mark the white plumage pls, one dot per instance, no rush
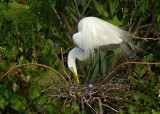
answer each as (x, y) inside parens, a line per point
(92, 34)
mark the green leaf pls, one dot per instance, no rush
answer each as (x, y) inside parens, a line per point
(7, 93)
(134, 14)
(96, 107)
(22, 60)
(101, 9)
(12, 53)
(154, 112)
(131, 109)
(34, 92)
(2, 64)
(38, 27)
(51, 108)
(18, 104)
(136, 97)
(115, 21)
(143, 7)
(43, 80)
(147, 58)
(96, 65)
(3, 102)
(135, 3)
(68, 109)
(120, 111)
(41, 100)
(75, 106)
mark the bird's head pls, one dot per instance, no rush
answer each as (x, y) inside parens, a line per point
(75, 74)
(72, 64)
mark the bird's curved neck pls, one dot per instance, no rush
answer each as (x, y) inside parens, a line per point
(76, 53)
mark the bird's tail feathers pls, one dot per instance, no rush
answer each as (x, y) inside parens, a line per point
(126, 52)
(127, 48)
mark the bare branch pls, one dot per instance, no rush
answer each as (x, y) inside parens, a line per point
(84, 10)
(73, 17)
(82, 103)
(64, 67)
(99, 103)
(123, 64)
(76, 7)
(142, 38)
(110, 107)
(36, 64)
(88, 104)
(65, 20)
(148, 31)
(137, 27)
(55, 12)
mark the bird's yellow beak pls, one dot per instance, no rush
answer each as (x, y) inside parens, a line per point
(75, 75)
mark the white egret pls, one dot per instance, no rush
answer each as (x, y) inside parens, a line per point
(94, 33)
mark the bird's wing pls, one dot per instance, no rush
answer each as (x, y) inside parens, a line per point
(78, 39)
(94, 32)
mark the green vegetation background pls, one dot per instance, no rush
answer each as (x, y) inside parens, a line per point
(35, 31)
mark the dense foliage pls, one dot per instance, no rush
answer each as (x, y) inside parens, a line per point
(40, 32)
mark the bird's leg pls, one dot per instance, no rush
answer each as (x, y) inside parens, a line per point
(90, 73)
(100, 62)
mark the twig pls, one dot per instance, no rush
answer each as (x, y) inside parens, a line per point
(73, 17)
(82, 103)
(84, 10)
(55, 12)
(99, 103)
(36, 64)
(64, 67)
(88, 104)
(46, 89)
(110, 107)
(144, 26)
(147, 63)
(68, 77)
(67, 49)
(64, 104)
(148, 31)
(62, 58)
(65, 20)
(68, 26)
(142, 38)
(76, 7)
(138, 25)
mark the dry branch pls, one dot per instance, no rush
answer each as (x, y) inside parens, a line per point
(82, 103)
(123, 64)
(142, 38)
(83, 12)
(76, 7)
(138, 26)
(86, 96)
(56, 12)
(36, 64)
(148, 31)
(99, 103)
(64, 67)
(65, 20)
(110, 107)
